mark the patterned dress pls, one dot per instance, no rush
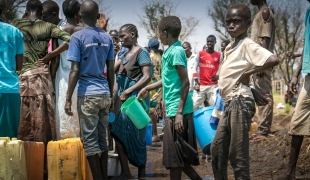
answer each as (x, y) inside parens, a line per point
(123, 130)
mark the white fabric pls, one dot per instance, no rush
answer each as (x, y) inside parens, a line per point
(191, 70)
(66, 126)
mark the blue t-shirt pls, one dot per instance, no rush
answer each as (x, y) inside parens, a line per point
(306, 55)
(11, 44)
(91, 47)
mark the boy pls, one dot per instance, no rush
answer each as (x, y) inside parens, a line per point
(89, 50)
(263, 33)
(300, 122)
(208, 62)
(179, 105)
(243, 57)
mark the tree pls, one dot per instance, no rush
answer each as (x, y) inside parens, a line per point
(289, 20)
(153, 11)
(10, 9)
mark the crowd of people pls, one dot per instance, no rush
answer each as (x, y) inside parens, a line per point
(61, 78)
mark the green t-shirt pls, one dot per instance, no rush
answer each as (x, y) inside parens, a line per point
(172, 84)
(36, 37)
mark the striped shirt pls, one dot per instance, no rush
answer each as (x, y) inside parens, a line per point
(36, 37)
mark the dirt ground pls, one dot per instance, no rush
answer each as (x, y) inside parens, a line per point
(269, 157)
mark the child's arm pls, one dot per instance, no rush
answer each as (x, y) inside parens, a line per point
(144, 92)
(73, 79)
(294, 79)
(259, 98)
(271, 62)
(111, 80)
(182, 72)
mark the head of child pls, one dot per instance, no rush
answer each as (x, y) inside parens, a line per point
(50, 12)
(187, 48)
(34, 7)
(169, 29)
(71, 9)
(89, 12)
(224, 44)
(238, 20)
(128, 35)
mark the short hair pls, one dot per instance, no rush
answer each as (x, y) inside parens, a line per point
(51, 6)
(170, 24)
(70, 8)
(34, 5)
(244, 9)
(187, 43)
(212, 36)
(113, 31)
(131, 28)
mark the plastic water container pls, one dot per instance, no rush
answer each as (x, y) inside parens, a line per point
(111, 117)
(149, 134)
(205, 131)
(137, 114)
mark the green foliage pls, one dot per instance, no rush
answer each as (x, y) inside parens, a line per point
(153, 11)
(287, 108)
(10, 9)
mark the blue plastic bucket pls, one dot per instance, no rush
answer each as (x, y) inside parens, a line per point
(149, 134)
(111, 117)
(205, 131)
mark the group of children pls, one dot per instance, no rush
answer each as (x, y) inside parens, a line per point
(30, 75)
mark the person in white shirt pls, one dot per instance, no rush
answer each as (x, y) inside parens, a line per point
(191, 57)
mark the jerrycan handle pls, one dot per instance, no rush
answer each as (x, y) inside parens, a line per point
(146, 107)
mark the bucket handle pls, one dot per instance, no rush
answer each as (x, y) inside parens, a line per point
(146, 107)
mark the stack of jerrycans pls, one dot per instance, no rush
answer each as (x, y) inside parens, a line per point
(12, 159)
(66, 160)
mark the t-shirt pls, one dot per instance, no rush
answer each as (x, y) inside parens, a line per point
(11, 44)
(306, 55)
(191, 70)
(91, 47)
(36, 36)
(261, 28)
(246, 55)
(171, 82)
(208, 65)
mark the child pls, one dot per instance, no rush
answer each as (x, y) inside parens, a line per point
(179, 105)
(243, 57)
(89, 51)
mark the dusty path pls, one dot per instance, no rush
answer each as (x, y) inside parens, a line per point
(269, 157)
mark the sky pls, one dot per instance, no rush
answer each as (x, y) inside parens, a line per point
(125, 11)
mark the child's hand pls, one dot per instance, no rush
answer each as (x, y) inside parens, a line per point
(178, 123)
(215, 78)
(260, 74)
(293, 85)
(143, 93)
(103, 22)
(244, 79)
(259, 98)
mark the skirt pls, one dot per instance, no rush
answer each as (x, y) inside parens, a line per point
(173, 154)
(37, 117)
